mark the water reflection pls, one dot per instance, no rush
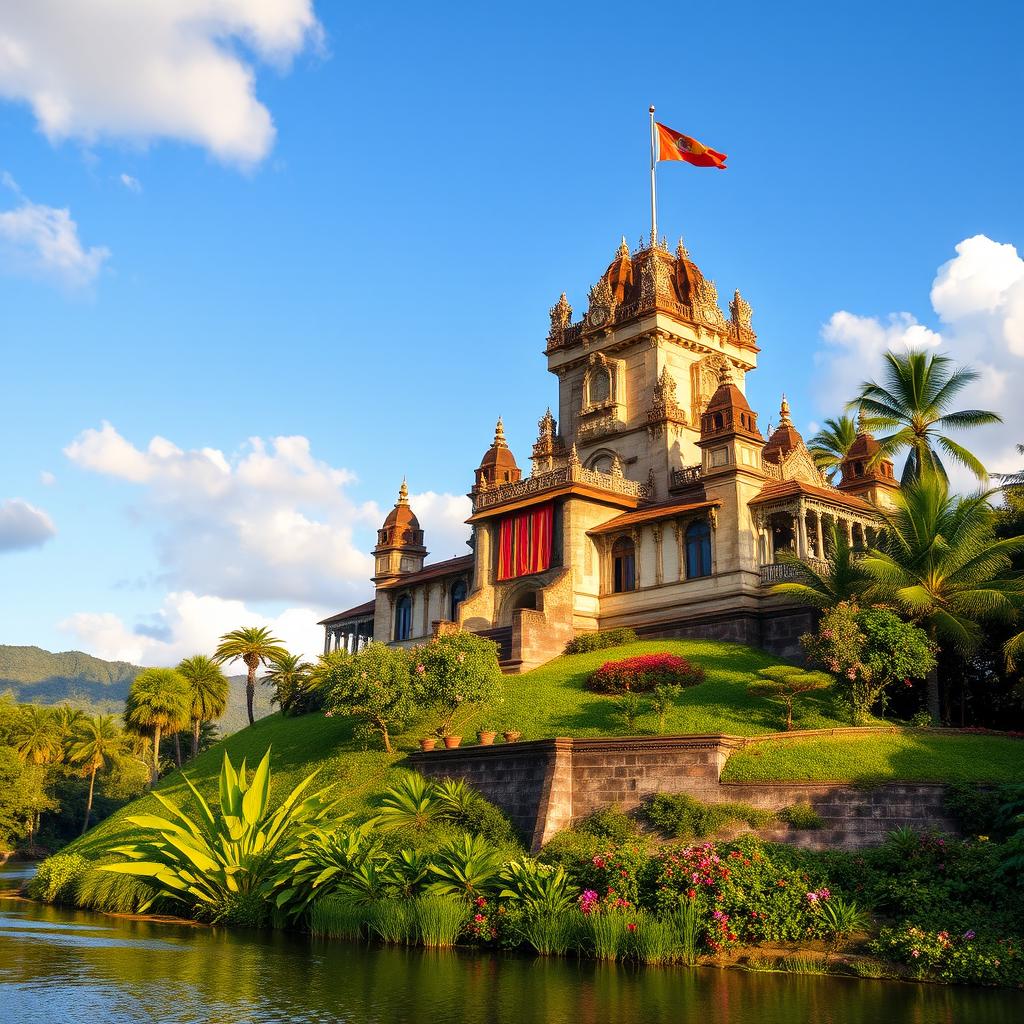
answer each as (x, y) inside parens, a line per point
(60, 965)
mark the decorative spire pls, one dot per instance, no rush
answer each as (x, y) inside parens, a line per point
(624, 248)
(574, 456)
(561, 313)
(681, 251)
(784, 420)
(724, 374)
(499, 435)
(403, 495)
(862, 421)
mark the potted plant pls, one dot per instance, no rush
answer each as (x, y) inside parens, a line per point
(451, 742)
(511, 735)
(428, 743)
(485, 735)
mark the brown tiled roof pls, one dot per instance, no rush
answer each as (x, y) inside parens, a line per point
(651, 514)
(775, 489)
(431, 572)
(361, 611)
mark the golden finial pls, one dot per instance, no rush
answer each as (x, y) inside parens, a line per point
(784, 420)
(403, 494)
(862, 421)
(681, 252)
(624, 248)
(499, 435)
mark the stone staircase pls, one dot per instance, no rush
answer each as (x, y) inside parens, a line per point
(502, 636)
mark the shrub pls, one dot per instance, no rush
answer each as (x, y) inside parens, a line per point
(466, 867)
(455, 671)
(335, 917)
(785, 683)
(683, 817)
(643, 673)
(57, 877)
(599, 641)
(551, 934)
(542, 889)
(412, 802)
(980, 810)
(952, 956)
(629, 706)
(801, 816)
(609, 824)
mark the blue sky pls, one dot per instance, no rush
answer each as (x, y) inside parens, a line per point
(374, 276)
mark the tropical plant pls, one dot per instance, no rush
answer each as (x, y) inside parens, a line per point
(468, 866)
(939, 561)
(408, 872)
(830, 444)
(56, 878)
(629, 706)
(839, 918)
(439, 920)
(207, 692)
(253, 646)
(95, 743)
(290, 677)
(822, 583)
(231, 864)
(456, 671)
(375, 685)
(410, 803)
(158, 700)
(327, 863)
(785, 683)
(66, 720)
(538, 888)
(1013, 479)
(912, 401)
(36, 736)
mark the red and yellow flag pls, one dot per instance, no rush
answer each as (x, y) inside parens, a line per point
(673, 145)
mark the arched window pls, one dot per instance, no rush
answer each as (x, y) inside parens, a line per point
(599, 382)
(459, 591)
(698, 549)
(403, 618)
(623, 565)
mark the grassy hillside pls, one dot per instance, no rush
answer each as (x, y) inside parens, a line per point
(551, 701)
(34, 676)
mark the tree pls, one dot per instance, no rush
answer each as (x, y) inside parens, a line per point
(842, 578)
(289, 675)
(784, 683)
(95, 743)
(159, 701)
(940, 562)
(23, 798)
(456, 670)
(36, 736)
(1013, 479)
(253, 645)
(207, 692)
(912, 401)
(829, 445)
(376, 686)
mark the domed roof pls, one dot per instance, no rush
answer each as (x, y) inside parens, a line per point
(499, 456)
(402, 515)
(620, 272)
(785, 438)
(728, 411)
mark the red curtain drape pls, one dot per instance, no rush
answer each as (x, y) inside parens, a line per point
(524, 542)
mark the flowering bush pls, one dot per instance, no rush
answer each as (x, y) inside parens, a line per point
(457, 670)
(953, 956)
(643, 673)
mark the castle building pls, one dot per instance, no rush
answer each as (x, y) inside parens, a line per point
(653, 500)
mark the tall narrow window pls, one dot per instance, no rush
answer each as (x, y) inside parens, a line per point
(623, 565)
(403, 618)
(458, 596)
(698, 549)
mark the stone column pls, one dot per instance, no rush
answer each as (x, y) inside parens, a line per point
(680, 529)
(637, 535)
(659, 568)
(820, 536)
(801, 537)
(848, 528)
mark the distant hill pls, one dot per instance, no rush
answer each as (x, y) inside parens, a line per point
(32, 675)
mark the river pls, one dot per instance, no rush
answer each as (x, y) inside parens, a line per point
(59, 966)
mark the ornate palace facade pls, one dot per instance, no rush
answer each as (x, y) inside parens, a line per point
(653, 500)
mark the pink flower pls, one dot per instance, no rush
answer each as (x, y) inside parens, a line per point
(481, 902)
(631, 927)
(420, 670)
(599, 862)
(969, 934)
(915, 953)
(478, 918)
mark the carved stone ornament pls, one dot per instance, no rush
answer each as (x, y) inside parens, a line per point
(664, 408)
(655, 281)
(602, 305)
(561, 317)
(705, 304)
(740, 315)
(705, 376)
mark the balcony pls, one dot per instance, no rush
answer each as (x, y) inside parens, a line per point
(562, 477)
(788, 572)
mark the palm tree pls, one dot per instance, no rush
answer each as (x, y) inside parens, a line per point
(940, 562)
(36, 736)
(66, 720)
(158, 700)
(912, 402)
(842, 578)
(96, 742)
(255, 646)
(289, 676)
(1013, 479)
(208, 692)
(829, 445)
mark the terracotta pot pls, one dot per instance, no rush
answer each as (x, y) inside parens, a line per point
(511, 736)
(451, 742)
(428, 743)
(486, 737)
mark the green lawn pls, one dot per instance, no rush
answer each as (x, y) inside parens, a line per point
(911, 756)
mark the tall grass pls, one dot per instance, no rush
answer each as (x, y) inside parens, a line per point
(606, 935)
(116, 894)
(391, 921)
(335, 917)
(687, 924)
(653, 940)
(439, 920)
(553, 934)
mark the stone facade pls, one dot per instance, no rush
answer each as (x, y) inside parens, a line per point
(544, 785)
(667, 509)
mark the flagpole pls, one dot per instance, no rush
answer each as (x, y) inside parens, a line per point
(654, 200)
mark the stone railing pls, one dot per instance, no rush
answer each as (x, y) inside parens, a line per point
(568, 474)
(784, 572)
(684, 477)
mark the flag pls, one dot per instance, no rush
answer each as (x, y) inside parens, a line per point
(673, 145)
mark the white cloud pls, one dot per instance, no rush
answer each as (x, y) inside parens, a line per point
(978, 297)
(42, 241)
(174, 69)
(188, 624)
(23, 525)
(46, 478)
(270, 523)
(130, 183)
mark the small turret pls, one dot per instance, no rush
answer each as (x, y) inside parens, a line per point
(498, 465)
(399, 547)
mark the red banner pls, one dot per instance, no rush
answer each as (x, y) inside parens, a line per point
(524, 542)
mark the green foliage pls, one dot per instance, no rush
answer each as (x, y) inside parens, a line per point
(605, 934)
(684, 817)
(207, 692)
(609, 824)
(439, 920)
(982, 811)
(951, 956)
(828, 447)
(686, 918)
(552, 934)
(206, 863)
(411, 802)
(586, 642)
(375, 686)
(56, 878)
(336, 917)
(329, 863)
(840, 918)
(541, 889)
(296, 689)
(467, 867)
(785, 683)
(391, 920)
(458, 671)
(661, 700)
(801, 816)
(159, 701)
(629, 707)
(23, 797)
(116, 894)
(840, 578)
